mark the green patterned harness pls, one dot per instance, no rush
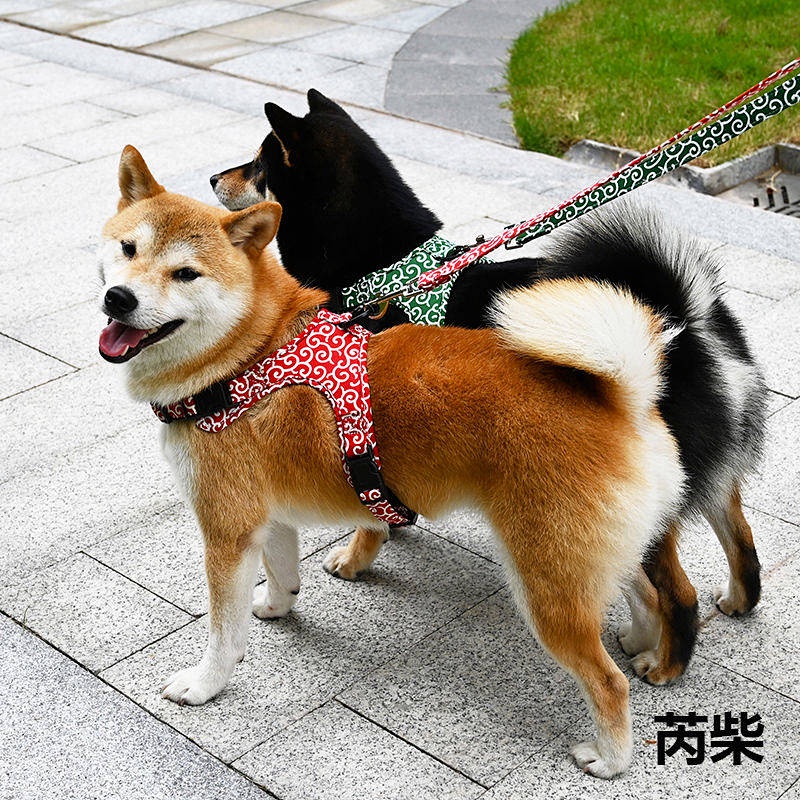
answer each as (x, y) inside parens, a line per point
(423, 309)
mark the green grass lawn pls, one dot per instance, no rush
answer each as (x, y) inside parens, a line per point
(633, 72)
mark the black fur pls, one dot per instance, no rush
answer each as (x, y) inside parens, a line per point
(347, 212)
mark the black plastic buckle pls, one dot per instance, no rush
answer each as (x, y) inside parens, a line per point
(459, 250)
(368, 311)
(365, 473)
(216, 397)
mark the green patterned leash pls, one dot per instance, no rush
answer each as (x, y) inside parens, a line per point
(734, 118)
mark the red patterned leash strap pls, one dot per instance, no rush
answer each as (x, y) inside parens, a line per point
(721, 125)
(332, 358)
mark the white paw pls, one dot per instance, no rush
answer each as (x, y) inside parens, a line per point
(336, 563)
(271, 602)
(588, 758)
(644, 662)
(729, 602)
(193, 686)
(631, 641)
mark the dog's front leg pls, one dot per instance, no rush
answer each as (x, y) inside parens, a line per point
(231, 564)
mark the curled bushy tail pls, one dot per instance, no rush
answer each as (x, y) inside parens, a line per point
(591, 326)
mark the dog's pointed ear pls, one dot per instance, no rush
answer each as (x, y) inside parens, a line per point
(319, 104)
(286, 128)
(253, 228)
(136, 182)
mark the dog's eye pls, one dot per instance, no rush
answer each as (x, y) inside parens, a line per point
(185, 274)
(129, 249)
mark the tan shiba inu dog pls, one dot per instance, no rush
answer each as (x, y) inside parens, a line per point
(547, 423)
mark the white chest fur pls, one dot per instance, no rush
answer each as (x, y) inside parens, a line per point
(175, 446)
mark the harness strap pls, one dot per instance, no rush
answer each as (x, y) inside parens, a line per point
(332, 358)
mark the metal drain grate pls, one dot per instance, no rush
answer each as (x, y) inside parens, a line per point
(775, 191)
(780, 205)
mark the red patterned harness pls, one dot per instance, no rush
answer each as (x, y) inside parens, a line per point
(331, 357)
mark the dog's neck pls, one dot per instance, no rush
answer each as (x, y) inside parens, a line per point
(277, 311)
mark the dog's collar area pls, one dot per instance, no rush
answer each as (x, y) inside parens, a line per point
(423, 309)
(329, 355)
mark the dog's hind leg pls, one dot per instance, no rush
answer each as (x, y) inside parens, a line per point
(675, 614)
(743, 589)
(231, 566)
(359, 553)
(559, 602)
(281, 558)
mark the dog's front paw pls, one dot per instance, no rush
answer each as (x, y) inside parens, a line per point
(339, 563)
(587, 756)
(729, 602)
(193, 686)
(652, 669)
(272, 602)
(632, 641)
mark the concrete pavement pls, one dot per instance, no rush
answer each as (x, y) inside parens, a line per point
(419, 681)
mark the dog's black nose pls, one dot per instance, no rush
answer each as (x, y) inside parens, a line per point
(214, 179)
(120, 300)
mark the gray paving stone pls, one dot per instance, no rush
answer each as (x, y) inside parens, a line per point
(468, 529)
(325, 755)
(337, 632)
(775, 490)
(202, 48)
(179, 574)
(22, 161)
(757, 273)
(425, 48)
(275, 27)
(355, 43)
(29, 291)
(552, 773)
(360, 83)
(77, 410)
(201, 13)
(481, 695)
(24, 367)
(477, 113)
(8, 60)
(111, 62)
(90, 612)
(231, 92)
(56, 713)
(409, 20)
(284, 67)
(494, 20)
(137, 101)
(25, 100)
(355, 11)
(775, 339)
(63, 18)
(170, 124)
(59, 119)
(78, 498)
(775, 402)
(411, 78)
(69, 334)
(124, 33)
(764, 645)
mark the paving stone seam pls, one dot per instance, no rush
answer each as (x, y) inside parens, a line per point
(769, 513)
(462, 546)
(101, 679)
(788, 789)
(102, 563)
(163, 84)
(43, 383)
(417, 747)
(747, 678)
(43, 352)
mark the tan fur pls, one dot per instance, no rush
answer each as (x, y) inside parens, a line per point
(547, 451)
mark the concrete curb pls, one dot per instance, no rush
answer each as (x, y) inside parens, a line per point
(706, 180)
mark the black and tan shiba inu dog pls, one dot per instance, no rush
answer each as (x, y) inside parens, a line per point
(347, 212)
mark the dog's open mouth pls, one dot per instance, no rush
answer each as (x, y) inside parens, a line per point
(120, 342)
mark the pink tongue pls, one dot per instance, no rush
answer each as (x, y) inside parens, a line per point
(116, 338)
